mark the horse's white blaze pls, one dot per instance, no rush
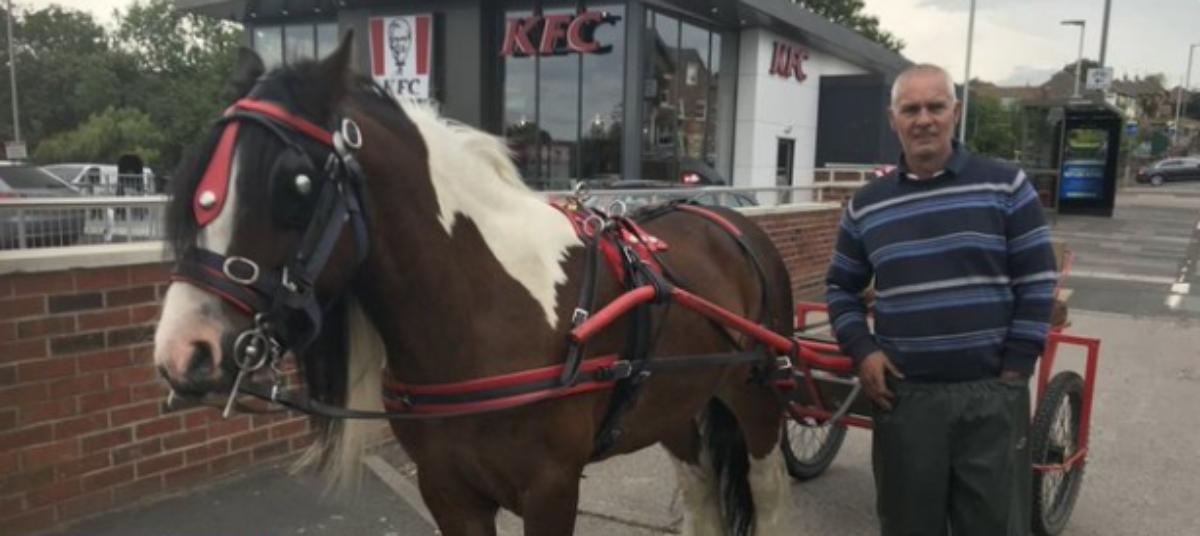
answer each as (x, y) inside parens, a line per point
(529, 238)
(772, 495)
(190, 314)
(698, 491)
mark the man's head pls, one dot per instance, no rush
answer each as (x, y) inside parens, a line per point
(924, 112)
(399, 41)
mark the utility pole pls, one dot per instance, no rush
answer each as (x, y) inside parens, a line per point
(1104, 33)
(12, 66)
(1187, 81)
(962, 129)
(1082, 24)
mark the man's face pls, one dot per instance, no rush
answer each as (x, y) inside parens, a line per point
(923, 116)
(399, 40)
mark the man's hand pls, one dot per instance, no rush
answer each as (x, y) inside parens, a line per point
(872, 373)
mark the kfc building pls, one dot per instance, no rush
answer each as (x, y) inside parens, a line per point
(760, 90)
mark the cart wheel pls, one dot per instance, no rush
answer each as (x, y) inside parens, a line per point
(809, 448)
(1055, 438)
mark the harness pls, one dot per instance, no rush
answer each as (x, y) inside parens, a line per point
(287, 315)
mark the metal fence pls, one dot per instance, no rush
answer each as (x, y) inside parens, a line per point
(28, 223)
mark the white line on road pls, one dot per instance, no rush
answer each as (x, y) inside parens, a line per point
(1181, 288)
(1173, 301)
(1089, 274)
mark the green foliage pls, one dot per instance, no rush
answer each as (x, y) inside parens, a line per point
(991, 129)
(849, 13)
(104, 138)
(157, 69)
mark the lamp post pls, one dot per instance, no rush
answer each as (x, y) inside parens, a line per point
(1104, 33)
(1082, 24)
(962, 129)
(1179, 100)
(12, 65)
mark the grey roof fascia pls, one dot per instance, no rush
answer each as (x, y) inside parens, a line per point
(833, 38)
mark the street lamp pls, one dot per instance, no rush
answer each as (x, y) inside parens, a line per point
(12, 64)
(1179, 102)
(1082, 24)
(962, 129)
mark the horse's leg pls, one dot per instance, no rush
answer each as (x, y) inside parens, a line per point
(550, 504)
(696, 482)
(759, 416)
(458, 509)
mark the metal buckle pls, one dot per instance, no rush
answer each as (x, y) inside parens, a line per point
(351, 134)
(579, 316)
(783, 362)
(621, 370)
(247, 281)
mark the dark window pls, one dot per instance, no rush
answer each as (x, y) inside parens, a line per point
(562, 108)
(680, 96)
(277, 44)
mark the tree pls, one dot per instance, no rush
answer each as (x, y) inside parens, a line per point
(849, 13)
(104, 138)
(991, 129)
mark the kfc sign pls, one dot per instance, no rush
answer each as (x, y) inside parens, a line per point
(788, 61)
(553, 35)
(401, 53)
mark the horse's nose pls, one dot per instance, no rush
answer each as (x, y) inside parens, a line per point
(192, 368)
(201, 365)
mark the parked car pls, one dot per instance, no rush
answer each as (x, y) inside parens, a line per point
(719, 197)
(27, 228)
(104, 179)
(1170, 169)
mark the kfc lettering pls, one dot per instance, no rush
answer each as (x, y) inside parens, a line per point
(553, 35)
(788, 61)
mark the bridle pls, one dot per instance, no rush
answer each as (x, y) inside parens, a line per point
(283, 303)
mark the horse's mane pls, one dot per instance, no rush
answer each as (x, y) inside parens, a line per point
(489, 148)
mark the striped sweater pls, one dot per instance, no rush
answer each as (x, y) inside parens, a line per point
(963, 269)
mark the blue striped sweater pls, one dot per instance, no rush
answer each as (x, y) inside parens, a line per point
(963, 268)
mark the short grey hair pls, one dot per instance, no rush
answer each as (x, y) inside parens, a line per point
(924, 68)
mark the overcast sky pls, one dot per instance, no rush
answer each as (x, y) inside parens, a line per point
(1022, 41)
(1016, 41)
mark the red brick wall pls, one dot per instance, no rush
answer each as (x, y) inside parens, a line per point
(82, 426)
(82, 423)
(805, 239)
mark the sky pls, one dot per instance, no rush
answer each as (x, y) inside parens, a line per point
(1020, 42)
(1017, 42)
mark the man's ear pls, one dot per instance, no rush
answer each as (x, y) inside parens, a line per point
(891, 117)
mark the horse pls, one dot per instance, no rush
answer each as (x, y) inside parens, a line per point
(379, 243)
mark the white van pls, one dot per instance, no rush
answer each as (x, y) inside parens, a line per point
(104, 179)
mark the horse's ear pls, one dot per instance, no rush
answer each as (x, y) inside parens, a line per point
(246, 71)
(336, 67)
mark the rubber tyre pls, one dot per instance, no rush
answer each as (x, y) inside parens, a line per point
(1156, 180)
(809, 449)
(1055, 437)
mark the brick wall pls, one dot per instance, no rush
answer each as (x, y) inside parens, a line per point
(805, 239)
(82, 423)
(82, 426)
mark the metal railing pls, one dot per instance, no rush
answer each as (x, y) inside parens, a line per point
(29, 223)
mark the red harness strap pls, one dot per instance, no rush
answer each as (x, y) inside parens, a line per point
(628, 233)
(497, 392)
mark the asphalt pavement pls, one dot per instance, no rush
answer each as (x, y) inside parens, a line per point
(1141, 477)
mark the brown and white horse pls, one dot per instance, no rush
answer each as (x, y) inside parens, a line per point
(372, 238)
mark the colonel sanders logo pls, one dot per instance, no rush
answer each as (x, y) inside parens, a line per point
(400, 40)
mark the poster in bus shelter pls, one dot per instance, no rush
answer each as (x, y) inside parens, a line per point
(1085, 156)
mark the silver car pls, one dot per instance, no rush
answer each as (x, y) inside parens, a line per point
(22, 228)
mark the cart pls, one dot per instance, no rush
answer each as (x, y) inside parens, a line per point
(825, 400)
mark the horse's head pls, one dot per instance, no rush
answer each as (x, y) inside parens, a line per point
(266, 224)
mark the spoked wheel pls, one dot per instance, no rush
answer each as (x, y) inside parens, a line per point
(809, 448)
(1055, 438)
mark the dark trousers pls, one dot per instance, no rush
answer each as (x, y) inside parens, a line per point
(953, 458)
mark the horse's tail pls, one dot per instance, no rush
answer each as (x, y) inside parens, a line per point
(341, 444)
(725, 445)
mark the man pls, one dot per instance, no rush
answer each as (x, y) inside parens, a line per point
(964, 276)
(400, 42)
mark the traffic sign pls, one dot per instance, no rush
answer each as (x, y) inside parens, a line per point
(1131, 129)
(1099, 78)
(15, 150)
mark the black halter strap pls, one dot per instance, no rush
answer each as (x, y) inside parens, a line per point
(283, 302)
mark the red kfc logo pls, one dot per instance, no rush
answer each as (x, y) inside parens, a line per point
(788, 61)
(556, 34)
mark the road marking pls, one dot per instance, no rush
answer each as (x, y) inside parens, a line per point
(1173, 301)
(1088, 274)
(1181, 288)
